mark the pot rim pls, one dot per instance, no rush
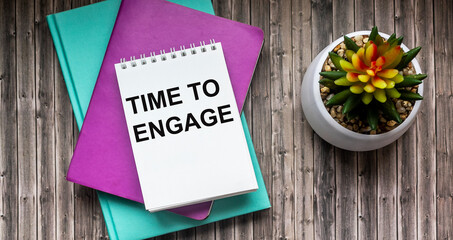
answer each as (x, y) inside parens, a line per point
(360, 136)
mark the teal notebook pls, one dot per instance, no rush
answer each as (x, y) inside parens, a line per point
(81, 37)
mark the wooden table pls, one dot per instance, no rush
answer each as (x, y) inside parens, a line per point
(403, 191)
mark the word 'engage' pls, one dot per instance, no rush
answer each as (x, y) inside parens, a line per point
(174, 125)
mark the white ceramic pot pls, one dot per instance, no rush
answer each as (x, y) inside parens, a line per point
(327, 128)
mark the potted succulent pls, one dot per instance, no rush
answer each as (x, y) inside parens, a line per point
(362, 91)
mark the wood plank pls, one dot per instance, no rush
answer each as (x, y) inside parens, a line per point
(169, 236)
(223, 8)
(386, 157)
(187, 234)
(346, 194)
(45, 122)
(406, 145)
(387, 193)
(324, 189)
(367, 227)
(8, 123)
(345, 161)
(282, 120)
(225, 229)
(261, 122)
(206, 232)
(243, 227)
(303, 134)
(367, 163)
(99, 227)
(443, 23)
(346, 25)
(426, 122)
(26, 110)
(324, 154)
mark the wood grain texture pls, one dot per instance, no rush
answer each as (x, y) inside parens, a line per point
(8, 123)
(187, 234)
(303, 134)
(402, 191)
(443, 23)
(282, 120)
(324, 153)
(206, 232)
(387, 221)
(26, 119)
(45, 122)
(426, 122)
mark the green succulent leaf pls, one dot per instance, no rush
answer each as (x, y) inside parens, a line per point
(400, 65)
(392, 92)
(407, 57)
(349, 54)
(400, 40)
(343, 82)
(336, 60)
(367, 98)
(333, 75)
(417, 76)
(379, 40)
(352, 114)
(339, 98)
(372, 116)
(408, 96)
(373, 34)
(350, 44)
(391, 39)
(389, 109)
(328, 83)
(408, 82)
(351, 103)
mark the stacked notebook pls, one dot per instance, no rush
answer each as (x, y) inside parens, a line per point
(105, 152)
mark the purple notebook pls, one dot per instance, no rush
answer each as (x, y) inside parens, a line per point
(103, 157)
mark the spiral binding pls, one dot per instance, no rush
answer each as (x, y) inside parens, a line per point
(172, 55)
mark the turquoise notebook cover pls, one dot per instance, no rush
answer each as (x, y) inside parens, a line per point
(81, 37)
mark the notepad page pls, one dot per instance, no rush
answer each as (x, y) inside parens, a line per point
(184, 127)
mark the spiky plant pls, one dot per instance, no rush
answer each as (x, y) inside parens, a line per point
(368, 78)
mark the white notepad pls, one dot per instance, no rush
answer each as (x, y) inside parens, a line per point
(184, 127)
